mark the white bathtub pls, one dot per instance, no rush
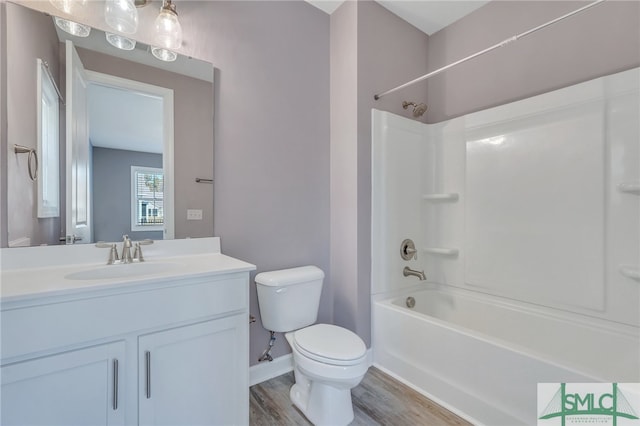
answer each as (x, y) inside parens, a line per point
(482, 357)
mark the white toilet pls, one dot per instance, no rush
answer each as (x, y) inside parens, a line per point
(328, 360)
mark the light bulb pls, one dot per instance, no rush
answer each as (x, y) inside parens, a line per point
(67, 6)
(121, 42)
(121, 15)
(164, 54)
(73, 28)
(168, 29)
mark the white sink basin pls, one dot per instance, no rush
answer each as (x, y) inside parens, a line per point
(122, 271)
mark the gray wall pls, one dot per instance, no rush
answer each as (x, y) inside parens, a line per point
(30, 35)
(272, 138)
(602, 40)
(111, 189)
(3, 127)
(193, 136)
(371, 51)
(343, 166)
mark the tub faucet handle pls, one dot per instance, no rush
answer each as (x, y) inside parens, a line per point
(408, 250)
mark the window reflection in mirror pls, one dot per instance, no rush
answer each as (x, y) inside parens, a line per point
(48, 122)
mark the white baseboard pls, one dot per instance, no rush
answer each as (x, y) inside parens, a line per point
(268, 370)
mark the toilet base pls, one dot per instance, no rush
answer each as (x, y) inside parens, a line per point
(322, 404)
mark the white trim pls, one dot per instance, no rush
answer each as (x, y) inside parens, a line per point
(167, 137)
(268, 370)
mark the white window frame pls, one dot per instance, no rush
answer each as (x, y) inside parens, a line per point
(134, 200)
(48, 133)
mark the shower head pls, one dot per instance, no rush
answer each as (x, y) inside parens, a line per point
(418, 109)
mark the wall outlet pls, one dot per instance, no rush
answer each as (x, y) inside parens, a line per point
(194, 214)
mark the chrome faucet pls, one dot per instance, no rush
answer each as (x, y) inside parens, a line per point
(411, 272)
(126, 250)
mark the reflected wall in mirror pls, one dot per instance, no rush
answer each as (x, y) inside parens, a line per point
(135, 131)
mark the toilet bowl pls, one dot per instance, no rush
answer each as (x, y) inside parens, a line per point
(328, 360)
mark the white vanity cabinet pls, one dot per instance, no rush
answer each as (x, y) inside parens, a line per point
(70, 388)
(191, 374)
(170, 351)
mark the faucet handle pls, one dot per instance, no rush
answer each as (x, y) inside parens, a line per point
(113, 252)
(408, 250)
(137, 252)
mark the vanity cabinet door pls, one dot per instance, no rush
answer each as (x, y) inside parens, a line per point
(195, 375)
(80, 387)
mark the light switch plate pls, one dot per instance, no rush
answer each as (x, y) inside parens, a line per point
(194, 214)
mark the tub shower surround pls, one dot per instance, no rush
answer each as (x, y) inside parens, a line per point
(525, 217)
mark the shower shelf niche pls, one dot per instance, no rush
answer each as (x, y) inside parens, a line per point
(630, 272)
(452, 196)
(630, 188)
(441, 251)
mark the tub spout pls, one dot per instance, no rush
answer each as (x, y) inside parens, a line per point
(410, 272)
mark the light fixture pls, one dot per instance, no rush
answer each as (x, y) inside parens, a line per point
(121, 42)
(73, 28)
(168, 30)
(164, 54)
(68, 6)
(121, 15)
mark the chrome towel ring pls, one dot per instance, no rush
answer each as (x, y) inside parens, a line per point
(32, 159)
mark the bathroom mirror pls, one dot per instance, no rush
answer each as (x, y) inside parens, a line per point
(147, 121)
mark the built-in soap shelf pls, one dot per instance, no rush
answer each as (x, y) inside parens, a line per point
(450, 196)
(629, 188)
(630, 272)
(441, 251)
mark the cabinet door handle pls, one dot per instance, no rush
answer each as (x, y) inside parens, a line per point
(147, 358)
(115, 384)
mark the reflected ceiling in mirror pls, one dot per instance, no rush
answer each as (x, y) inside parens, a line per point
(91, 13)
(141, 53)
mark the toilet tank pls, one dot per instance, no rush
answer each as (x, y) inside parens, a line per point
(289, 298)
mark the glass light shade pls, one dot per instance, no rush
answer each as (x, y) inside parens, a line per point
(168, 30)
(121, 15)
(121, 42)
(164, 54)
(67, 6)
(73, 28)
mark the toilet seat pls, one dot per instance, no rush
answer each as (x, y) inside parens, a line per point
(330, 344)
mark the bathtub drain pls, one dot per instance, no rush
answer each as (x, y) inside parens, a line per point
(411, 302)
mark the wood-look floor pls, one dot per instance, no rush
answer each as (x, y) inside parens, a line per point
(377, 400)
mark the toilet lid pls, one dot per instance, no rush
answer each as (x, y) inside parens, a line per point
(330, 344)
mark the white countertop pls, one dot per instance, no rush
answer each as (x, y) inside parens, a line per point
(48, 276)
